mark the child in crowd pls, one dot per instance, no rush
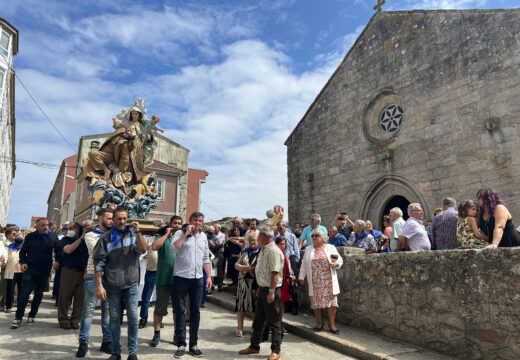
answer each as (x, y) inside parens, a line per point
(468, 233)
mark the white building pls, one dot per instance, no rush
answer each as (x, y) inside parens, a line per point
(8, 49)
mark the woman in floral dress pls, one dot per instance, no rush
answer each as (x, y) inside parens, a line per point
(319, 265)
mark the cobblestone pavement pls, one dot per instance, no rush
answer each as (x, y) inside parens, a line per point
(217, 340)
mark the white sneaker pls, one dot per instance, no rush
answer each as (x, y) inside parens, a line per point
(30, 321)
(16, 324)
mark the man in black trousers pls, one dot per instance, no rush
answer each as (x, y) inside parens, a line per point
(36, 263)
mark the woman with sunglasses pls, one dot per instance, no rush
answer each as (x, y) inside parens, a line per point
(319, 265)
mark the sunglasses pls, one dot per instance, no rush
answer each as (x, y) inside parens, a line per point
(315, 235)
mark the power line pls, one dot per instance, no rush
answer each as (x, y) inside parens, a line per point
(43, 112)
(44, 165)
(37, 104)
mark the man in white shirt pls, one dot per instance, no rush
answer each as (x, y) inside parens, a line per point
(397, 222)
(192, 260)
(413, 237)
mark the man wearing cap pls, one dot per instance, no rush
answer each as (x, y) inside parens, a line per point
(268, 271)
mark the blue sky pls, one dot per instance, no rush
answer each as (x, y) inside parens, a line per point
(229, 79)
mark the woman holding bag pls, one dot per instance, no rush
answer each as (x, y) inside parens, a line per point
(319, 265)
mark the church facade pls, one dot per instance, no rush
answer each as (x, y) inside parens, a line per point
(424, 105)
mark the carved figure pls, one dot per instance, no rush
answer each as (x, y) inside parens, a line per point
(146, 186)
(118, 166)
(150, 127)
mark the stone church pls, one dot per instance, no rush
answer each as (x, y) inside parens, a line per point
(426, 104)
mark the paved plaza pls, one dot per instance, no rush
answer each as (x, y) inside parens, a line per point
(45, 340)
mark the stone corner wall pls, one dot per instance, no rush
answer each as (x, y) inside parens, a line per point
(465, 303)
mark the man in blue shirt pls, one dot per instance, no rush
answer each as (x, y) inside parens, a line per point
(315, 221)
(192, 260)
(336, 238)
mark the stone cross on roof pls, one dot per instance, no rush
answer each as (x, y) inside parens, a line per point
(379, 5)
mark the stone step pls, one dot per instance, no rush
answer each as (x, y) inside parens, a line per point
(350, 341)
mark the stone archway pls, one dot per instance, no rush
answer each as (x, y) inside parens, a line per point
(395, 201)
(382, 192)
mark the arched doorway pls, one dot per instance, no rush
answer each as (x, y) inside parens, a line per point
(396, 201)
(387, 192)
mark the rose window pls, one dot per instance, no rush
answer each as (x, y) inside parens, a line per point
(391, 118)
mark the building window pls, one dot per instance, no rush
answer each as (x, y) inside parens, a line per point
(160, 189)
(391, 118)
(383, 117)
(4, 42)
(172, 164)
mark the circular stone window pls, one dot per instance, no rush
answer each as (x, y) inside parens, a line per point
(383, 117)
(391, 118)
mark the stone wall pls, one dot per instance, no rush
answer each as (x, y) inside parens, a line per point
(456, 76)
(465, 303)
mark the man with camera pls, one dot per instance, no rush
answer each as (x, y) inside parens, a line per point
(344, 224)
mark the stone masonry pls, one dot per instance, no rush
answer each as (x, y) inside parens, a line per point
(424, 105)
(464, 303)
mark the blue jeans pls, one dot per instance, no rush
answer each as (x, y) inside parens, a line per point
(131, 298)
(30, 282)
(181, 288)
(149, 284)
(89, 306)
(204, 291)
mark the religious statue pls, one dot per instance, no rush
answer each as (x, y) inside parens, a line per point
(115, 173)
(146, 186)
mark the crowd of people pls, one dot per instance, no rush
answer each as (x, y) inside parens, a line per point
(183, 263)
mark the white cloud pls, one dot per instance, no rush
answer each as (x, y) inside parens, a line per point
(342, 46)
(236, 115)
(233, 108)
(440, 4)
